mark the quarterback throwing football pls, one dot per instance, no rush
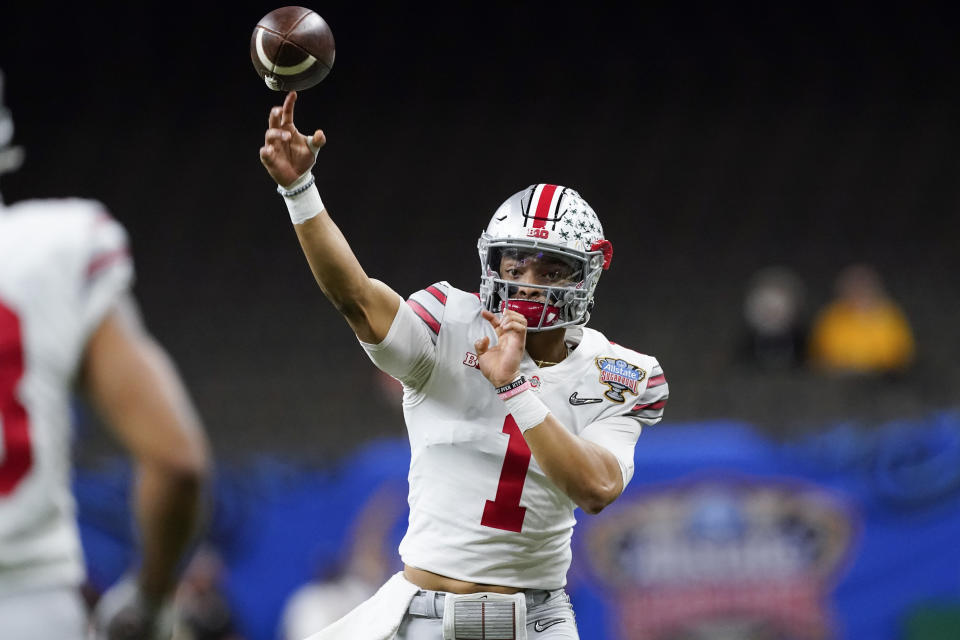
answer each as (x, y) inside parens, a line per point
(516, 412)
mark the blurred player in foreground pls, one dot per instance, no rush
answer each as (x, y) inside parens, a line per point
(516, 412)
(67, 316)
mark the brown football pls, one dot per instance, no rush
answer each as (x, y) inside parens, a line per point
(292, 48)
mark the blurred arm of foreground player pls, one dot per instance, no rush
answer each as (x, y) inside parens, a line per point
(138, 392)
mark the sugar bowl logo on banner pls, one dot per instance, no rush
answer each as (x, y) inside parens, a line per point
(723, 557)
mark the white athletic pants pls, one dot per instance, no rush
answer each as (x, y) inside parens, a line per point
(549, 617)
(44, 614)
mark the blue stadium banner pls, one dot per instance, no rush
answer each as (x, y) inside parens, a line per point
(847, 534)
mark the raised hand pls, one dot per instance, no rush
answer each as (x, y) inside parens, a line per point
(501, 362)
(286, 153)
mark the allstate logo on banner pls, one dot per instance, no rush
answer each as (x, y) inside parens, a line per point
(723, 557)
(620, 376)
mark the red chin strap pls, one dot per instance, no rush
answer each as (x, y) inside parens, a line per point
(532, 312)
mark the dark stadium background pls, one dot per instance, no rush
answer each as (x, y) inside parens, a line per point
(713, 139)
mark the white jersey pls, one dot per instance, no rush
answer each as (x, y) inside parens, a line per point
(63, 264)
(481, 508)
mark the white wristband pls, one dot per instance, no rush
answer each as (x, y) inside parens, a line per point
(302, 198)
(527, 409)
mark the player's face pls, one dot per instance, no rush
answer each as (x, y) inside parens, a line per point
(536, 268)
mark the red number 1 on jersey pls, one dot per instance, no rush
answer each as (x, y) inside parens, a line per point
(17, 454)
(505, 511)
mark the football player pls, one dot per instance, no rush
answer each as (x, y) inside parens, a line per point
(66, 317)
(516, 412)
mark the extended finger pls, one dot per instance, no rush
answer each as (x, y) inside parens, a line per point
(287, 117)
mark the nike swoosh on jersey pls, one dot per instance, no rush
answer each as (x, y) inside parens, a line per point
(575, 401)
(543, 625)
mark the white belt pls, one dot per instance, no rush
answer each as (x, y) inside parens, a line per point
(430, 604)
(491, 616)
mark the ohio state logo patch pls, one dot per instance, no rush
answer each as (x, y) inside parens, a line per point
(620, 376)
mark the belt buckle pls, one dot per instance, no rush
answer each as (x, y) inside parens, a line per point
(485, 616)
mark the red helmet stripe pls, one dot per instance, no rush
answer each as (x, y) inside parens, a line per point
(545, 198)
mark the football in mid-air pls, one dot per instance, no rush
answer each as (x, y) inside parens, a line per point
(292, 48)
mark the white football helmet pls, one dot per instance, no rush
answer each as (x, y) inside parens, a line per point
(544, 223)
(10, 157)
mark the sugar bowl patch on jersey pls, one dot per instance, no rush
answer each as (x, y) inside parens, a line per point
(621, 376)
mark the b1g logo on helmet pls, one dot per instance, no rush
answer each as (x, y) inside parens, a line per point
(620, 376)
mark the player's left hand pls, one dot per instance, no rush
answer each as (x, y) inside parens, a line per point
(501, 362)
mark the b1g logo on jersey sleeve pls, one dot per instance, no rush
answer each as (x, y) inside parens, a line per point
(620, 376)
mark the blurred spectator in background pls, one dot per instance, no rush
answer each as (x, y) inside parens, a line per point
(775, 320)
(345, 583)
(862, 331)
(204, 611)
(68, 320)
